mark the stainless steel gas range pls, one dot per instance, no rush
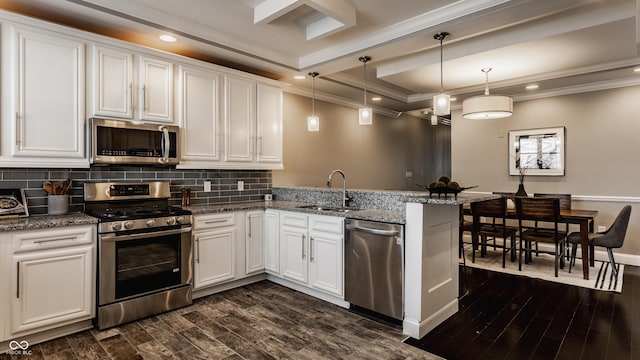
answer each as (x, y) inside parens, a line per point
(144, 250)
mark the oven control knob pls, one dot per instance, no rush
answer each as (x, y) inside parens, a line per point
(151, 223)
(171, 221)
(180, 219)
(115, 226)
(128, 225)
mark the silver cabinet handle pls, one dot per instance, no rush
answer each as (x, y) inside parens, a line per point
(17, 128)
(249, 229)
(215, 221)
(130, 96)
(51, 240)
(259, 145)
(303, 254)
(18, 280)
(311, 248)
(374, 231)
(144, 98)
(166, 143)
(197, 250)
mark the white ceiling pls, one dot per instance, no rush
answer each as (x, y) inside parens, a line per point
(562, 45)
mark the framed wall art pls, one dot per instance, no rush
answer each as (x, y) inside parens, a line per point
(537, 152)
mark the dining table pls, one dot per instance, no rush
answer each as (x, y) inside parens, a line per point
(583, 218)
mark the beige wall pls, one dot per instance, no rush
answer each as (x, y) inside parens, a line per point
(602, 152)
(373, 157)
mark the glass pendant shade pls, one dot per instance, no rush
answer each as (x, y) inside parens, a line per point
(365, 116)
(365, 113)
(442, 104)
(313, 123)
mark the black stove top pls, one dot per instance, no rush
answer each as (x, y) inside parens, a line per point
(136, 212)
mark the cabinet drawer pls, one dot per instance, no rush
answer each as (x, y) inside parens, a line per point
(52, 238)
(327, 224)
(293, 219)
(213, 221)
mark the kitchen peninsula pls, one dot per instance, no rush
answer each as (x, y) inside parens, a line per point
(430, 246)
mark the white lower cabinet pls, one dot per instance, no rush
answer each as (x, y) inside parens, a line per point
(52, 278)
(254, 242)
(214, 239)
(272, 241)
(311, 251)
(227, 246)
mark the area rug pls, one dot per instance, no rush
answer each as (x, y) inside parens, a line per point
(541, 267)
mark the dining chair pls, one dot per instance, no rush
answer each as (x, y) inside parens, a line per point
(489, 221)
(565, 204)
(541, 211)
(610, 239)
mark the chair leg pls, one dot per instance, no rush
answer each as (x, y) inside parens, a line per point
(520, 257)
(614, 268)
(555, 255)
(572, 260)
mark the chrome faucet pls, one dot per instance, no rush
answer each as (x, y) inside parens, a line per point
(345, 197)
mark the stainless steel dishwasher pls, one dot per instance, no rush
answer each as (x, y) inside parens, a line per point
(374, 265)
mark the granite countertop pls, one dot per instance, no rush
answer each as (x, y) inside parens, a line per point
(45, 221)
(363, 214)
(450, 199)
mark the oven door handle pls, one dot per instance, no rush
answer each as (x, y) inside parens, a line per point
(137, 236)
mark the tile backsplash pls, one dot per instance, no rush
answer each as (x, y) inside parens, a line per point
(224, 186)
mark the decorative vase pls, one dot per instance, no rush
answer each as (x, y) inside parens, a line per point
(521, 191)
(58, 204)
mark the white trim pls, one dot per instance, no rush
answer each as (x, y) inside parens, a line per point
(596, 198)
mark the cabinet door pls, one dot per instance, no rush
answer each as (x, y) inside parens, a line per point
(326, 249)
(269, 125)
(215, 256)
(293, 256)
(199, 114)
(325, 262)
(254, 258)
(272, 242)
(239, 119)
(112, 83)
(48, 89)
(156, 90)
(52, 288)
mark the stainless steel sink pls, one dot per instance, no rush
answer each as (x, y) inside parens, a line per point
(327, 208)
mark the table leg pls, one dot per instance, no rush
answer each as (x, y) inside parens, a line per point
(584, 242)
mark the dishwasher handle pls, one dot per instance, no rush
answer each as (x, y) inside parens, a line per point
(374, 231)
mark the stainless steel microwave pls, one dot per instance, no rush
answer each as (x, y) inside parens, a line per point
(126, 142)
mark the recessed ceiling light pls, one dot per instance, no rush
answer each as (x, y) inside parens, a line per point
(168, 38)
(636, 69)
(532, 86)
(299, 77)
(376, 98)
(453, 98)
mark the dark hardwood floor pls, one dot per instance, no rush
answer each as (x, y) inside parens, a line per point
(514, 317)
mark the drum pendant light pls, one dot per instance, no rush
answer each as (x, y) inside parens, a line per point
(487, 106)
(441, 102)
(365, 115)
(313, 122)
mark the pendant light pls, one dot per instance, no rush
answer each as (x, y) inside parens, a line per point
(313, 122)
(441, 102)
(487, 106)
(365, 115)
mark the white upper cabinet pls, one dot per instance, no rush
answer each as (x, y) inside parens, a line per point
(112, 83)
(199, 115)
(119, 89)
(269, 125)
(156, 85)
(239, 119)
(43, 122)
